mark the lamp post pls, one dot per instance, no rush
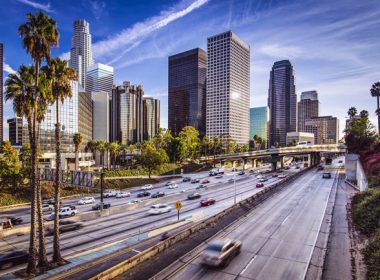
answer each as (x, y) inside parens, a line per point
(234, 183)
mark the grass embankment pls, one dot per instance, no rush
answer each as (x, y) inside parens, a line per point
(366, 217)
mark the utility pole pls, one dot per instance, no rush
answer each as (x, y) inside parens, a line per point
(101, 189)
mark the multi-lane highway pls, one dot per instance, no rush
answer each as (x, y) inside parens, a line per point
(115, 227)
(278, 237)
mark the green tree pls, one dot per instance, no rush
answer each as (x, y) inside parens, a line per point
(360, 135)
(151, 158)
(205, 145)
(162, 138)
(78, 140)
(114, 148)
(375, 92)
(176, 150)
(190, 136)
(24, 157)
(364, 114)
(352, 112)
(10, 169)
(101, 147)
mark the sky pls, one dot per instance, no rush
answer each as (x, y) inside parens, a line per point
(333, 45)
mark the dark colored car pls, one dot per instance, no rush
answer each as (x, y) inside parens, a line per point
(241, 172)
(143, 194)
(105, 206)
(13, 258)
(186, 179)
(205, 181)
(194, 181)
(207, 202)
(259, 185)
(14, 220)
(326, 175)
(65, 226)
(194, 196)
(51, 201)
(201, 187)
(157, 194)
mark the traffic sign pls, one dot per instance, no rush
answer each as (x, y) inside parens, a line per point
(178, 205)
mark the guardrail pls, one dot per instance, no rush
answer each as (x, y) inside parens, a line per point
(161, 246)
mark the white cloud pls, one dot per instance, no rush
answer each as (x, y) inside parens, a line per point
(97, 8)
(280, 51)
(65, 56)
(7, 68)
(44, 7)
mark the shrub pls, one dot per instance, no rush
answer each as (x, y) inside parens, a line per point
(366, 211)
(372, 256)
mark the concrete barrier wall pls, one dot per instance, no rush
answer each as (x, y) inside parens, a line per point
(161, 246)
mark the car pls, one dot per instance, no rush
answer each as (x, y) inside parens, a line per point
(195, 195)
(159, 209)
(123, 194)
(109, 193)
(65, 211)
(13, 258)
(186, 179)
(206, 181)
(14, 220)
(86, 200)
(201, 187)
(183, 191)
(274, 175)
(297, 167)
(105, 206)
(252, 171)
(134, 201)
(263, 179)
(281, 176)
(147, 187)
(47, 207)
(65, 226)
(320, 167)
(51, 201)
(219, 253)
(241, 172)
(169, 183)
(143, 194)
(157, 195)
(207, 202)
(259, 176)
(218, 176)
(326, 175)
(340, 161)
(173, 186)
(259, 185)
(194, 181)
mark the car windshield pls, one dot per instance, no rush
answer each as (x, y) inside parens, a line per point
(154, 207)
(216, 246)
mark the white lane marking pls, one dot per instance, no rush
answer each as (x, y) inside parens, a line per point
(136, 251)
(284, 220)
(248, 264)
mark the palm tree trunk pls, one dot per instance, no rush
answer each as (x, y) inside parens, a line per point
(378, 116)
(56, 246)
(76, 158)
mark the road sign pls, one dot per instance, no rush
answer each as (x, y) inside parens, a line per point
(178, 205)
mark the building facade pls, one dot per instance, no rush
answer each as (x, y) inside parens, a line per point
(99, 77)
(325, 129)
(1, 92)
(15, 131)
(101, 115)
(187, 91)
(293, 138)
(308, 107)
(81, 52)
(151, 112)
(228, 88)
(85, 116)
(127, 114)
(282, 102)
(259, 123)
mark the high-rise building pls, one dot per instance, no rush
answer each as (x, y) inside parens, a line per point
(85, 116)
(259, 123)
(81, 53)
(1, 93)
(127, 113)
(228, 88)
(15, 131)
(187, 91)
(308, 107)
(325, 129)
(282, 102)
(101, 115)
(99, 77)
(151, 117)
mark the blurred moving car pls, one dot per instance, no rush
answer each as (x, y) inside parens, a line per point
(194, 181)
(326, 175)
(47, 207)
(201, 187)
(157, 195)
(220, 252)
(159, 209)
(147, 187)
(206, 181)
(194, 196)
(51, 201)
(320, 167)
(86, 200)
(134, 201)
(123, 194)
(263, 179)
(13, 258)
(14, 220)
(259, 185)
(65, 211)
(173, 186)
(241, 172)
(109, 193)
(186, 179)
(282, 176)
(105, 206)
(218, 176)
(143, 194)
(274, 175)
(164, 236)
(65, 226)
(207, 202)
(169, 183)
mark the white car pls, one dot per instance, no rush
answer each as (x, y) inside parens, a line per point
(159, 209)
(259, 176)
(123, 194)
(169, 183)
(134, 201)
(47, 208)
(147, 187)
(66, 211)
(86, 200)
(109, 193)
(174, 186)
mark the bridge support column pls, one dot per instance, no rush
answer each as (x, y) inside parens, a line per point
(282, 161)
(244, 163)
(254, 163)
(274, 166)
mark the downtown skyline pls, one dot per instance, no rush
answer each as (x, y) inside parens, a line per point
(340, 66)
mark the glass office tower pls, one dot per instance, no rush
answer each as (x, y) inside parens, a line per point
(259, 123)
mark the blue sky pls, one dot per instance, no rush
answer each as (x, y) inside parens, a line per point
(333, 45)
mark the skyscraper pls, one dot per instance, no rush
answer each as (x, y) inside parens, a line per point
(15, 130)
(99, 77)
(85, 115)
(282, 102)
(228, 88)
(81, 53)
(308, 107)
(259, 123)
(187, 91)
(325, 129)
(1, 93)
(101, 119)
(151, 117)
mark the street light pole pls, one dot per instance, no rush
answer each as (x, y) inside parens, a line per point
(234, 184)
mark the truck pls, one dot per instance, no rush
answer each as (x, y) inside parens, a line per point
(216, 171)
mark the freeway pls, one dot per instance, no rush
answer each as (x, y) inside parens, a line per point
(278, 237)
(115, 227)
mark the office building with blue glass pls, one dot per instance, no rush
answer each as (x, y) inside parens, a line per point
(259, 123)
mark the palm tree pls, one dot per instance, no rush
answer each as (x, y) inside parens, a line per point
(39, 34)
(114, 148)
(61, 76)
(101, 147)
(352, 112)
(364, 114)
(206, 144)
(375, 92)
(78, 140)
